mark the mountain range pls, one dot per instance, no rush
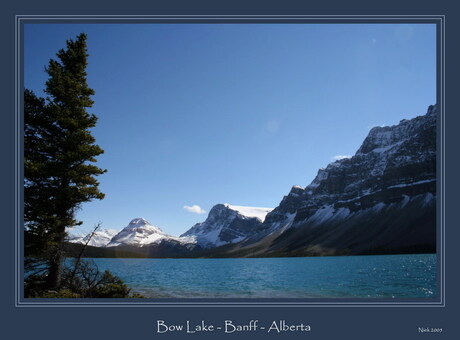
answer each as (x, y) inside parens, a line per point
(382, 200)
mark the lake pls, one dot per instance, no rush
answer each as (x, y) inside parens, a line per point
(382, 276)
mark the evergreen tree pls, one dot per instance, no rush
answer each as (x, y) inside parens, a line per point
(59, 151)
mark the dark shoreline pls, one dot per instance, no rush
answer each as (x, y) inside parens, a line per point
(73, 250)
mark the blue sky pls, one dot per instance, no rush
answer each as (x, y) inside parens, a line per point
(200, 114)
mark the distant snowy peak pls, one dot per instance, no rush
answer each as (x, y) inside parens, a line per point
(100, 238)
(139, 232)
(250, 212)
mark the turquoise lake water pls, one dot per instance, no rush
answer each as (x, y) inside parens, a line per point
(383, 276)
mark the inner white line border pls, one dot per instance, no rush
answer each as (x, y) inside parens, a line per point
(20, 20)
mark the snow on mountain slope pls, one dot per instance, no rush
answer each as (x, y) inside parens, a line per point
(73, 236)
(227, 224)
(139, 232)
(257, 212)
(100, 238)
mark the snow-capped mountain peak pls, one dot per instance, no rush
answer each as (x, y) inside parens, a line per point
(227, 223)
(100, 238)
(138, 232)
(140, 222)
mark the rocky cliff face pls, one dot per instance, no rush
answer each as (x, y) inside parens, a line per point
(382, 199)
(227, 224)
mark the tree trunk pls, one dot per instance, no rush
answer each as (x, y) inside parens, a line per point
(54, 274)
(55, 263)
